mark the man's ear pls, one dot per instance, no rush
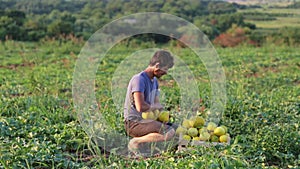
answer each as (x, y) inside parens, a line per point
(156, 65)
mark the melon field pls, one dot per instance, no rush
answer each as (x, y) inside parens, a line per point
(39, 126)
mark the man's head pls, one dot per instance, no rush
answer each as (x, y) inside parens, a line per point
(162, 61)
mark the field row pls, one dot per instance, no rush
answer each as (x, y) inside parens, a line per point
(40, 129)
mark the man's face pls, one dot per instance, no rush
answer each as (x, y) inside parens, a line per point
(159, 72)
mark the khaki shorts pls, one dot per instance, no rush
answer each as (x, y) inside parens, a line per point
(144, 127)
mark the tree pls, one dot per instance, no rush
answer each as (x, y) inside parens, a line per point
(17, 16)
(11, 25)
(59, 28)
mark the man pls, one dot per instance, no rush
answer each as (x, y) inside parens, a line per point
(143, 95)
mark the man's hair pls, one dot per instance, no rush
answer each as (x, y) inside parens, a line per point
(164, 58)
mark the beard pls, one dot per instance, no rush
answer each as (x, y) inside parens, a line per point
(157, 76)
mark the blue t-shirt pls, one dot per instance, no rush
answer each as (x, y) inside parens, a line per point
(139, 83)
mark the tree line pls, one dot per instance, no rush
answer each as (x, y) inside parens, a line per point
(32, 20)
(40, 18)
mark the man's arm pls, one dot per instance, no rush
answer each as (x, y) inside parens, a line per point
(142, 106)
